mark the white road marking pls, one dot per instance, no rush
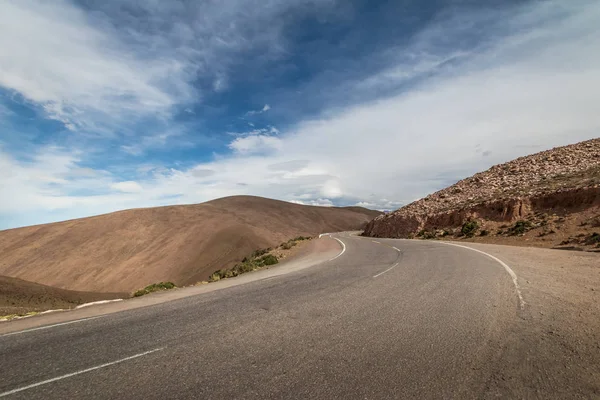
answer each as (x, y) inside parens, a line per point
(343, 249)
(77, 373)
(93, 303)
(395, 248)
(50, 326)
(375, 241)
(506, 267)
(389, 269)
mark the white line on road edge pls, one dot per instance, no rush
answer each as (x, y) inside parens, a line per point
(343, 249)
(381, 273)
(93, 303)
(50, 326)
(506, 267)
(77, 373)
(395, 248)
(375, 241)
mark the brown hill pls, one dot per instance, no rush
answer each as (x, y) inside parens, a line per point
(551, 198)
(126, 250)
(18, 297)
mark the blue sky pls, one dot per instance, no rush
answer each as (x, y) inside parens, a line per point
(108, 105)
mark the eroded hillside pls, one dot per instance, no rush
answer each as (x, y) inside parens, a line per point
(551, 199)
(127, 250)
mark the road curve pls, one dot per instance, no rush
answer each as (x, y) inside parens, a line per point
(386, 319)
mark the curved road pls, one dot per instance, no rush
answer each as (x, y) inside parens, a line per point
(387, 319)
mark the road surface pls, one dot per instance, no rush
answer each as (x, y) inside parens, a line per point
(387, 319)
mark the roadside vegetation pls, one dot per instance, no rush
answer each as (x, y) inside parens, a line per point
(155, 287)
(292, 242)
(469, 228)
(18, 316)
(520, 227)
(258, 259)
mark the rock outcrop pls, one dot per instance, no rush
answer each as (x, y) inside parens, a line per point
(553, 183)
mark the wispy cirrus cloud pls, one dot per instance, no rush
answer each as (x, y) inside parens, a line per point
(116, 61)
(261, 111)
(82, 74)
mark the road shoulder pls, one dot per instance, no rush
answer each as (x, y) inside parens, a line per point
(316, 252)
(558, 334)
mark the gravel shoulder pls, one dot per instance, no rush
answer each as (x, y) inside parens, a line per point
(556, 341)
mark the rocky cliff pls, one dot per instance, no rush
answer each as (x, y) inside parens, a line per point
(551, 197)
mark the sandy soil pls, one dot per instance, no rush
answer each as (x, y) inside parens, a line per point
(558, 333)
(19, 297)
(127, 250)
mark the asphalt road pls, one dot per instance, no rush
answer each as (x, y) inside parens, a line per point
(387, 319)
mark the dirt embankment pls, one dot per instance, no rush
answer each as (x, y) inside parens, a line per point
(549, 199)
(127, 250)
(19, 297)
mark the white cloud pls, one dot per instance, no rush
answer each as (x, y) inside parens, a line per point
(533, 90)
(98, 70)
(316, 202)
(127, 187)
(261, 111)
(138, 145)
(255, 144)
(53, 55)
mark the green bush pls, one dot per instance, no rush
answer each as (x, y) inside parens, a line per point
(301, 238)
(427, 235)
(246, 265)
(469, 228)
(484, 233)
(593, 238)
(155, 287)
(258, 258)
(288, 245)
(520, 227)
(269, 259)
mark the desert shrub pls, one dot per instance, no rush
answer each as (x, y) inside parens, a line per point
(246, 265)
(288, 245)
(484, 233)
(155, 287)
(269, 259)
(429, 235)
(214, 277)
(593, 238)
(520, 227)
(469, 228)
(230, 273)
(260, 252)
(301, 238)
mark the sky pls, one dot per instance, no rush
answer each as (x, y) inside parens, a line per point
(110, 104)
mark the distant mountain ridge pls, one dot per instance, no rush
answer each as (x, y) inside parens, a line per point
(127, 250)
